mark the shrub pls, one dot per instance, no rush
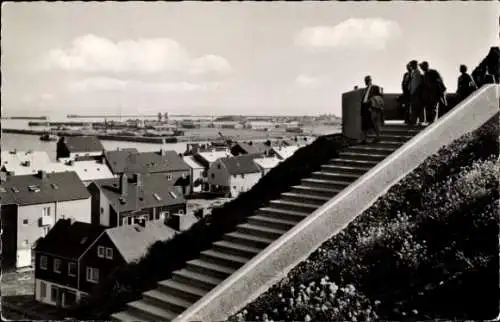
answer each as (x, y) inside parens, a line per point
(435, 224)
(129, 281)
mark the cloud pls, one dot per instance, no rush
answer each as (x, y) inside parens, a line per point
(91, 53)
(307, 81)
(114, 84)
(370, 33)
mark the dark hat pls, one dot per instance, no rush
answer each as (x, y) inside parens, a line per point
(424, 63)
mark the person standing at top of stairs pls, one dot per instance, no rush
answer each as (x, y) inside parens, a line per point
(372, 108)
(434, 92)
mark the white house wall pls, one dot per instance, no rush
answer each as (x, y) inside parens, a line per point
(79, 210)
(104, 205)
(239, 184)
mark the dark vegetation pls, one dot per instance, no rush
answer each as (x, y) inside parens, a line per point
(427, 249)
(129, 281)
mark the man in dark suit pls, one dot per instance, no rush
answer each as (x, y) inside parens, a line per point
(405, 98)
(415, 91)
(371, 110)
(433, 91)
(466, 85)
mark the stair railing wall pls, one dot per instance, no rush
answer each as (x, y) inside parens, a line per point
(274, 262)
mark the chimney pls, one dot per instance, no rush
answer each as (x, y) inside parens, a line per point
(162, 151)
(138, 180)
(42, 174)
(123, 184)
(3, 177)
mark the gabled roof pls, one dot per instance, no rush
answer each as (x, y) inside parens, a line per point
(69, 239)
(206, 158)
(24, 162)
(87, 170)
(255, 147)
(267, 163)
(241, 164)
(153, 186)
(133, 241)
(285, 152)
(82, 143)
(144, 162)
(62, 186)
(192, 162)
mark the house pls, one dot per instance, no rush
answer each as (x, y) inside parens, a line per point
(260, 125)
(164, 162)
(207, 158)
(59, 275)
(266, 164)
(23, 162)
(234, 175)
(283, 152)
(79, 147)
(249, 148)
(133, 199)
(31, 205)
(197, 174)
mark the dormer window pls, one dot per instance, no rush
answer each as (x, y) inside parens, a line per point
(169, 177)
(34, 188)
(173, 194)
(14, 189)
(157, 197)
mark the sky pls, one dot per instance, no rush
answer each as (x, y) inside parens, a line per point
(215, 58)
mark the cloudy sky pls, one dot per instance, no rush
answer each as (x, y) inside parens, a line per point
(226, 58)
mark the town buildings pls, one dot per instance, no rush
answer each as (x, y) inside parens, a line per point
(134, 199)
(250, 148)
(79, 147)
(197, 173)
(267, 163)
(31, 205)
(283, 152)
(233, 175)
(87, 171)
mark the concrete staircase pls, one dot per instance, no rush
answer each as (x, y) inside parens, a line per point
(199, 276)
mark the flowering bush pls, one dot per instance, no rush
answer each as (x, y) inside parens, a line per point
(434, 226)
(129, 281)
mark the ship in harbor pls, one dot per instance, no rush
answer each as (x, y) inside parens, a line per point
(48, 137)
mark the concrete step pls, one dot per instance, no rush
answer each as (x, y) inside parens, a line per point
(346, 162)
(236, 249)
(262, 220)
(210, 269)
(392, 137)
(186, 292)
(352, 170)
(126, 316)
(150, 312)
(370, 149)
(196, 279)
(260, 231)
(362, 156)
(165, 301)
(247, 240)
(301, 197)
(321, 183)
(333, 175)
(386, 144)
(292, 205)
(282, 213)
(317, 191)
(216, 257)
(399, 131)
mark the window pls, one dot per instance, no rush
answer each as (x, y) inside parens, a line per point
(43, 262)
(169, 177)
(26, 242)
(72, 269)
(109, 253)
(102, 210)
(46, 211)
(25, 221)
(213, 175)
(43, 290)
(218, 166)
(242, 175)
(53, 293)
(92, 274)
(57, 265)
(2, 189)
(173, 194)
(100, 251)
(45, 230)
(181, 211)
(157, 197)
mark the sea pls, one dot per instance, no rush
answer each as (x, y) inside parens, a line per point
(25, 142)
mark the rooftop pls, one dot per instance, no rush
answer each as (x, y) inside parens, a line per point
(156, 190)
(285, 152)
(127, 161)
(267, 163)
(241, 164)
(192, 162)
(33, 189)
(69, 238)
(133, 241)
(82, 143)
(24, 162)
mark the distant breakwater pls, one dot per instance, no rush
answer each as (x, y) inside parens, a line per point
(145, 139)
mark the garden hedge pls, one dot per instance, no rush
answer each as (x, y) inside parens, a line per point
(129, 281)
(426, 249)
